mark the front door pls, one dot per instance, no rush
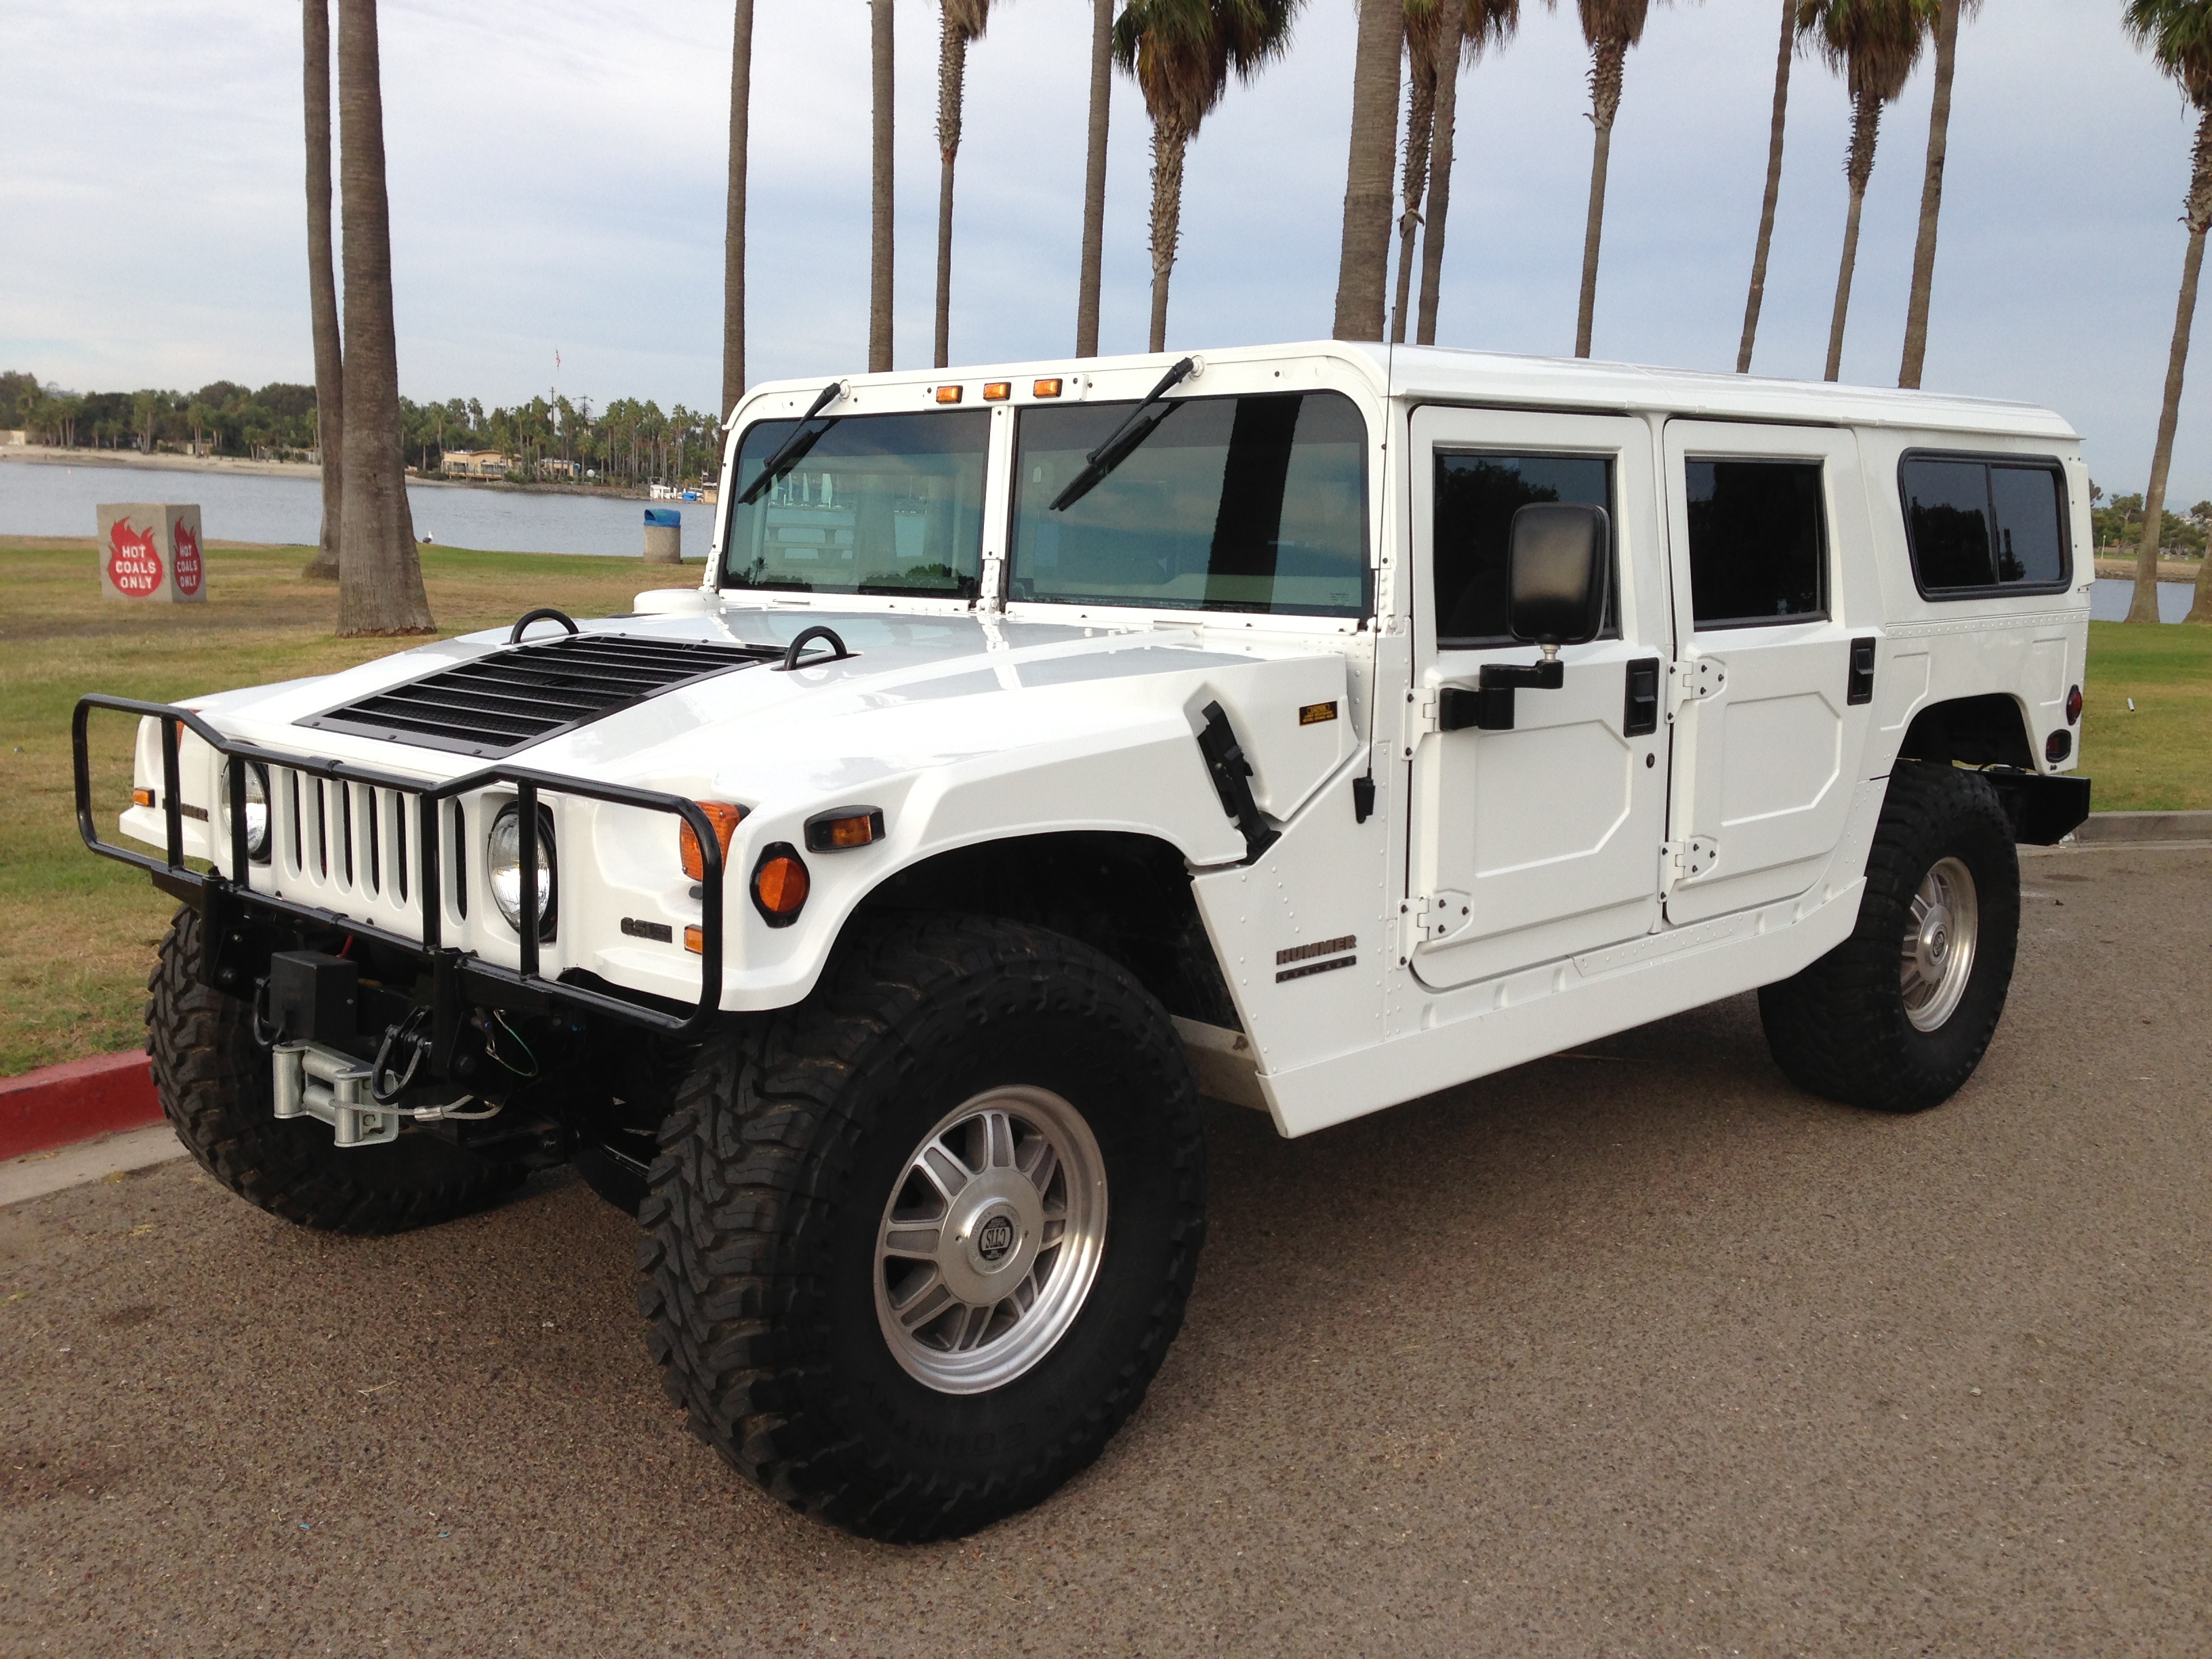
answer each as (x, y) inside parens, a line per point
(1532, 843)
(1769, 719)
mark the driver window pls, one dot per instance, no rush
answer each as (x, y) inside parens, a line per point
(1476, 497)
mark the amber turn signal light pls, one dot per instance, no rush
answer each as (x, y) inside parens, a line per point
(1045, 388)
(996, 391)
(842, 827)
(141, 797)
(780, 886)
(2074, 706)
(948, 394)
(725, 819)
(695, 941)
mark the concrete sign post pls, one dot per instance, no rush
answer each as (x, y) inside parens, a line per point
(151, 550)
(664, 536)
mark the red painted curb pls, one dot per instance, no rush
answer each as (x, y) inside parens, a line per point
(56, 1105)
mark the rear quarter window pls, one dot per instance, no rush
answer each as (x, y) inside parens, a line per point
(1980, 526)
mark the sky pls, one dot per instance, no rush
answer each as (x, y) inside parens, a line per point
(557, 171)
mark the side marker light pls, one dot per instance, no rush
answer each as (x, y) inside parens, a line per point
(780, 885)
(2074, 706)
(695, 941)
(996, 391)
(141, 797)
(843, 827)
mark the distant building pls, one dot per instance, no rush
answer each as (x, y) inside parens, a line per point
(561, 469)
(14, 437)
(474, 463)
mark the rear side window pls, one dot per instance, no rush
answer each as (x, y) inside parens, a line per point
(1476, 497)
(1983, 526)
(1758, 542)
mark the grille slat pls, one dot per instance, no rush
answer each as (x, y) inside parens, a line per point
(507, 700)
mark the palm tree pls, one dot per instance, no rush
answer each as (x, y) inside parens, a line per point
(1931, 189)
(323, 289)
(879, 207)
(1474, 25)
(1364, 259)
(1758, 294)
(1611, 28)
(380, 574)
(1180, 53)
(2179, 35)
(1874, 44)
(1094, 179)
(733, 220)
(963, 21)
(1431, 43)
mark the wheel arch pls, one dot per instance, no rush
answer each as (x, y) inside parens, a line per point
(1991, 729)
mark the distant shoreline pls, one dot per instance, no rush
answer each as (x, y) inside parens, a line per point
(131, 460)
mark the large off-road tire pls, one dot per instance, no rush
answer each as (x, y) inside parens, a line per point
(215, 1085)
(1898, 1016)
(835, 1170)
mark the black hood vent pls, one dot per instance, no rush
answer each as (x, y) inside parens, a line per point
(494, 705)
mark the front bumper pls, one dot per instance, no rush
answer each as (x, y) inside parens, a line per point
(243, 924)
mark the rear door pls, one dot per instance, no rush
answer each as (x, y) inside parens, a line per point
(1769, 722)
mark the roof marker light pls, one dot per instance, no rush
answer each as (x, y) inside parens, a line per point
(1048, 388)
(996, 391)
(948, 394)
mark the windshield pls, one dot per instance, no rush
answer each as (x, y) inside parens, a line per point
(880, 504)
(1254, 503)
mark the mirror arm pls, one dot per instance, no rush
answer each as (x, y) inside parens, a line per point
(1546, 676)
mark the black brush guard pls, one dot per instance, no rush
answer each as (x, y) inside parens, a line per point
(459, 981)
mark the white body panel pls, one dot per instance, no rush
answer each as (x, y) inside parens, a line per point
(1509, 893)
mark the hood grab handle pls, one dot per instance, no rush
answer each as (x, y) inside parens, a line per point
(544, 613)
(806, 635)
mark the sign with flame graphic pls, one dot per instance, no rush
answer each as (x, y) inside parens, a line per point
(151, 550)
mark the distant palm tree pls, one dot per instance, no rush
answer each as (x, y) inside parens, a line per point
(1758, 294)
(323, 289)
(963, 21)
(1464, 29)
(1094, 179)
(1611, 28)
(1931, 189)
(2179, 35)
(1180, 53)
(1872, 45)
(1364, 258)
(881, 82)
(379, 574)
(1432, 38)
(733, 218)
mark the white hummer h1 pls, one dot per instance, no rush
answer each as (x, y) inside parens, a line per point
(1312, 727)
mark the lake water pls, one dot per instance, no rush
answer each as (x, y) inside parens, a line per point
(40, 499)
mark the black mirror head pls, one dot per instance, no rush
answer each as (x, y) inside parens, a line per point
(1560, 555)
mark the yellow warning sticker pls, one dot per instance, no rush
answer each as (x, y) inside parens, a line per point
(1313, 713)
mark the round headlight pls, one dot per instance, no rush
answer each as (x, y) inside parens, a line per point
(503, 868)
(257, 810)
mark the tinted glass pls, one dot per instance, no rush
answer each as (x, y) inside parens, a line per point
(881, 504)
(1757, 540)
(1947, 520)
(1252, 503)
(2031, 534)
(1476, 497)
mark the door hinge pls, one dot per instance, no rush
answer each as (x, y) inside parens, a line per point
(1685, 861)
(1439, 916)
(1694, 678)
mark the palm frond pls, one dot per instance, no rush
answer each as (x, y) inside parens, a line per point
(2179, 36)
(1873, 44)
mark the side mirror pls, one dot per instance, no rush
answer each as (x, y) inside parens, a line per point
(1559, 554)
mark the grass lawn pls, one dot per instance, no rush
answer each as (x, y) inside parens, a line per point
(78, 933)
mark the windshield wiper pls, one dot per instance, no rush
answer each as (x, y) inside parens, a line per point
(1126, 437)
(793, 450)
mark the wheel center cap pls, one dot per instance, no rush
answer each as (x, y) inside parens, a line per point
(1935, 937)
(994, 1239)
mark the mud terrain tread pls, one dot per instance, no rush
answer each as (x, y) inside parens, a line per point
(214, 1083)
(748, 1178)
(1839, 1027)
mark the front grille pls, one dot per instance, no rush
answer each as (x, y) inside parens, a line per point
(508, 699)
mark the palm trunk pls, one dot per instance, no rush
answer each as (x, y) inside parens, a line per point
(2198, 215)
(1169, 142)
(952, 74)
(1420, 129)
(1931, 198)
(1866, 131)
(1094, 179)
(733, 218)
(1606, 58)
(1758, 294)
(323, 289)
(379, 574)
(879, 207)
(1451, 33)
(1364, 259)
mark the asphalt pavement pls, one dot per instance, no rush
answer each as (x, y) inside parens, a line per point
(1637, 1350)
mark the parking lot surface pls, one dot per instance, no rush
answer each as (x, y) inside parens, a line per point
(1637, 1350)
